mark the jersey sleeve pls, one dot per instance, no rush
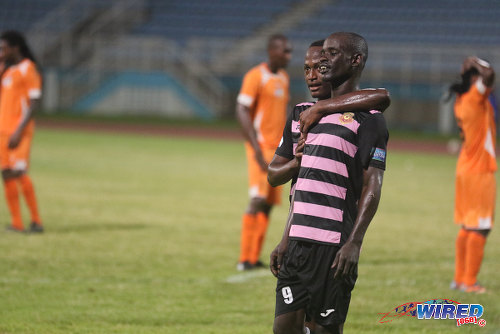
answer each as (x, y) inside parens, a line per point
(373, 137)
(33, 82)
(285, 147)
(249, 88)
(479, 92)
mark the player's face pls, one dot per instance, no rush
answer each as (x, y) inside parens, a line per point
(281, 53)
(319, 89)
(336, 64)
(6, 51)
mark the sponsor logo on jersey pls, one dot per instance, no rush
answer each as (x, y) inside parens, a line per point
(346, 117)
(379, 154)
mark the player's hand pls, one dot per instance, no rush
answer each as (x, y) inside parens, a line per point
(259, 157)
(276, 258)
(468, 63)
(299, 151)
(14, 140)
(346, 260)
(309, 117)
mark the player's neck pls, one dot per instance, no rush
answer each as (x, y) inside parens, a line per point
(346, 87)
(273, 68)
(17, 59)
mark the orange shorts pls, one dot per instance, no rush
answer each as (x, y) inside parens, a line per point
(17, 158)
(257, 178)
(475, 200)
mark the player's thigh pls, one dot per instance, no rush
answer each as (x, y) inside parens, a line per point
(21, 154)
(475, 200)
(4, 152)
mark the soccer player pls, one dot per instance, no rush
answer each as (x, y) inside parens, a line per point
(261, 112)
(475, 175)
(285, 167)
(335, 198)
(19, 96)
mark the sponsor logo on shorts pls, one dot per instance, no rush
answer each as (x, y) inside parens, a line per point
(327, 312)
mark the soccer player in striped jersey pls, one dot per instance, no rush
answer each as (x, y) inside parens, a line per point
(20, 93)
(335, 198)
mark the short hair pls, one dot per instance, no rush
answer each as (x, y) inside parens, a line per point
(355, 42)
(273, 38)
(317, 43)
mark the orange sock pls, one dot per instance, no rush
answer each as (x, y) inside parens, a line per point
(29, 195)
(248, 229)
(262, 223)
(12, 197)
(460, 251)
(474, 257)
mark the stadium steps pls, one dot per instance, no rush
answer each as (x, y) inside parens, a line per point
(256, 43)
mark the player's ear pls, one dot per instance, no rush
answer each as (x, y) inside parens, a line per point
(356, 60)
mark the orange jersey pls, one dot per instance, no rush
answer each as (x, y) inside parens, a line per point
(266, 94)
(475, 117)
(20, 83)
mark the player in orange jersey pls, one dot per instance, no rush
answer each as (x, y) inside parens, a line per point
(475, 174)
(261, 111)
(20, 94)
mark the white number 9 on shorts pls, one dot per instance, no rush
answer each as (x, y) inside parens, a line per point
(287, 295)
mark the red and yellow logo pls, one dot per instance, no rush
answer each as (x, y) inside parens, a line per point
(347, 117)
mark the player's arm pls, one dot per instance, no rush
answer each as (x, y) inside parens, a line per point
(348, 256)
(15, 138)
(281, 169)
(364, 99)
(483, 67)
(279, 251)
(243, 116)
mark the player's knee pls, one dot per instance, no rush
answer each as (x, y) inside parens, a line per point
(333, 329)
(287, 328)
(11, 174)
(289, 324)
(257, 204)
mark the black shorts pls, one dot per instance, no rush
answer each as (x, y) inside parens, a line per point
(305, 281)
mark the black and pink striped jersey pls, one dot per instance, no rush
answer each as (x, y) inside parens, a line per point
(330, 179)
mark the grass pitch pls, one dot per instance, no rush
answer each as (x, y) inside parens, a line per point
(142, 236)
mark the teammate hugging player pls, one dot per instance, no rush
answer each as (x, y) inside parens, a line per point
(335, 198)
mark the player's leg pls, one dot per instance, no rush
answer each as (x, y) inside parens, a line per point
(333, 329)
(12, 196)
(479, 221)
(22, 155)
(10, 184)
(290, 323)
(292, 295)
(249, 227)
(273, 197)
(330, 297)
(460, 253)
(474, 258)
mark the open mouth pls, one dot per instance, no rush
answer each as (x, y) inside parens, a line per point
(314, 88)
(323, 68)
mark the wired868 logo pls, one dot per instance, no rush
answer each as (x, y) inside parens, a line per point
(462, 313)
(438, 309)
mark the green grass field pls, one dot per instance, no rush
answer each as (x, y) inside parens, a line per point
(142, 236)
